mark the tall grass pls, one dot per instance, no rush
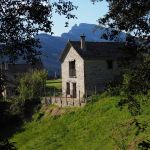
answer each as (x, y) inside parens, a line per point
(98, 126)
(88, 128)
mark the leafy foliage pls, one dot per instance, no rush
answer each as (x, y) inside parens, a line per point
(21, 21)
(32, 85)
(133, 17)
(137, 81)
(2, 84)
(128, 15)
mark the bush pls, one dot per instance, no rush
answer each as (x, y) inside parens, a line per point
(113, 88)
(136, 82)
(32, 85)
(24, 109)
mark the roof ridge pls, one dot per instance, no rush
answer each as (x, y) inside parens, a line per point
(98, 42)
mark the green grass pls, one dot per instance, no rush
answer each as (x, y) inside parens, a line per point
(97, 126)
(54, 83)
(53, 86)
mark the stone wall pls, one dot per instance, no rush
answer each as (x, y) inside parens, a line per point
(79, 79)
(97, 74)
(91, 75)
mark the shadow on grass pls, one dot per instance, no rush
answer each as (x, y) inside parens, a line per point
(11, 121)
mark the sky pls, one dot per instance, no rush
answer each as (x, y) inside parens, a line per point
(86, 13)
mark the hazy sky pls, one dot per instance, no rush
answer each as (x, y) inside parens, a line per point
(86, 13)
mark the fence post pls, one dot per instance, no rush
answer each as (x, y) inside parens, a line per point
(50, 99)
(66, 101)
(61, 101)
(55, 95)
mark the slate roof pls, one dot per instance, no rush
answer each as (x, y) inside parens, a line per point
(97, 50)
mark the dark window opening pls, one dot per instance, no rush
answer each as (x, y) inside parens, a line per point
(109, 64)
(72, 69)
(74, 94)
(68, 88)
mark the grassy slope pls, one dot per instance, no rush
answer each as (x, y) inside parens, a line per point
(99, 125)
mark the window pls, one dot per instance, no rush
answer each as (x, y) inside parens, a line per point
(72, 70)
(109, 64)
(68, 88)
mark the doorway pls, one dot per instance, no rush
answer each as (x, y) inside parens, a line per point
(74, 93)
(67, 88)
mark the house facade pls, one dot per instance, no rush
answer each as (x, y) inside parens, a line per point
(87, 67)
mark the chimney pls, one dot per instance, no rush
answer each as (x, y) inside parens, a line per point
(83, 47)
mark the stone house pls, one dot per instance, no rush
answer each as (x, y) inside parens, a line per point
(87, 67)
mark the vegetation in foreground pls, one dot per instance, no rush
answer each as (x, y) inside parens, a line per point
(20, 108)
(99, 125)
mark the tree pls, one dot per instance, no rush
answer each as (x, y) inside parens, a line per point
(31, 85)
(22, 20)
(133, 17)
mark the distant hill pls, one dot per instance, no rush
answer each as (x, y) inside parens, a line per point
(52, 46)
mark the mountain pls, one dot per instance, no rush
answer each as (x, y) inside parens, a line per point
(52, 46)
(51, 49)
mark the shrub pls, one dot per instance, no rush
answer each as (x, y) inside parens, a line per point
(113, 88)
(32, 85)
(136, 82)
(24, 109)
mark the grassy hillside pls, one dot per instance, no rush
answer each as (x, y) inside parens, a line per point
(98, 126)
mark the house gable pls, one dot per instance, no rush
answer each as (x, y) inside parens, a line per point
(72, 68)
(67, 50)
